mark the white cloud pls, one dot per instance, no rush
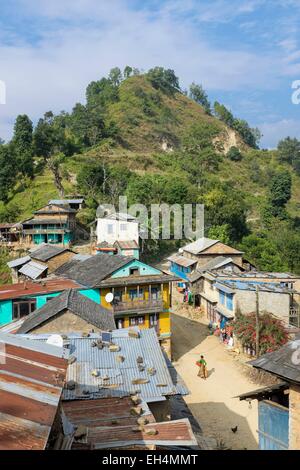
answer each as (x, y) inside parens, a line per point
(275, 131)
(79, 41)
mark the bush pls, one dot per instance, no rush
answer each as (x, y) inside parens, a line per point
(272, 332)
(234, 154)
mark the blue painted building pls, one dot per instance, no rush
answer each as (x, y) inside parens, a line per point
(18, 300)
(182, 267)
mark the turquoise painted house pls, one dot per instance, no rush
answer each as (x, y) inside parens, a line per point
(52, 224)
(18, 300)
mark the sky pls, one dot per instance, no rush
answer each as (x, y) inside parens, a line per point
(245, 53)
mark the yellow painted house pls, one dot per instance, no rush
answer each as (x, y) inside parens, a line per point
(140, 295)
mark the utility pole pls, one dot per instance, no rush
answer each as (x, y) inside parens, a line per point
(257, 321)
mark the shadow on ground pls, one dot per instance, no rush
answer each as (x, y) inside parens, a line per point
(226, 422)
(181, 339)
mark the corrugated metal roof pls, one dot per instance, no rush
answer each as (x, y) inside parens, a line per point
(44, 286)
(199, 245)
(18, 262)
(120, 374)
(110, 424)
(32, 375)
(33, 269)
(182, 260)
(127, 244)
(59, 202)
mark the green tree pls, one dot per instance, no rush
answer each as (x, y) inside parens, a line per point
(289, 152)
(226, 206)
(164, 79)
(22, 145)
(127, 72)
(7, 171)
(220, 232)
(280, 191)
(90, 179)
(115, 76)
(223, 114)
(198, 94)
(250, 136)
(234, 154)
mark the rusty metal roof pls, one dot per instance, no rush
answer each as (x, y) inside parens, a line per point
(45, 286)
(110, 424)
(32, 376)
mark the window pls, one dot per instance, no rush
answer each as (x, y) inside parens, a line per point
(120, 323)
(110, 229)
(155, 293)
(137, 321)
(118, 295)
(154, 321)
(134, 271)
(222, 297)
(23, 307)
(123, 227)
(133, 294)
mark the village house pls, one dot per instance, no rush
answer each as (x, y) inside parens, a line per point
(118, 364)
(117, 393)
(223, 294)
(127, 431)
(279, 404)
(32, 376)
(19, 300)
(119, 232)
(138, 294)
(10, 233)
(53, 224)
(39, 263)
(68, 312)
(205, 249)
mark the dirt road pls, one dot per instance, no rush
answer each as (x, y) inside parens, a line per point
(211, 401)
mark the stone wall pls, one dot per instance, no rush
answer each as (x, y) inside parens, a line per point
(65, 322)
(294, 417)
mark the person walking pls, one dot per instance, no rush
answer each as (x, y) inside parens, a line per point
(202, 368)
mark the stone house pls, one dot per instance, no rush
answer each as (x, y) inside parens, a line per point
(279, 405)
(68, 313)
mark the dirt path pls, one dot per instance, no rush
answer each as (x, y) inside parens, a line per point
(211, 401)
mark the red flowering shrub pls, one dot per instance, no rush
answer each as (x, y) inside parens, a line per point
(272, 334)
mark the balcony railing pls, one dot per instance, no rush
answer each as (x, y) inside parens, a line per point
(138, 304)
(295, 316)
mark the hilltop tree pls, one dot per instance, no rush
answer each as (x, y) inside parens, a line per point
(22, 145)
(198, 94)
(127, 72)
(163, 79)
(115, 76)
(223, 114)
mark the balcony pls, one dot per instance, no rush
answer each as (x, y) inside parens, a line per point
(137, 305)
(294, 317)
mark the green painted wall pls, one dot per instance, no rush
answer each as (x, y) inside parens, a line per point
(145, 269)
(6, 309)
(93, 294)
(5, 312)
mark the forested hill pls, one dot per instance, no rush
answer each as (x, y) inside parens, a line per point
(139, 134)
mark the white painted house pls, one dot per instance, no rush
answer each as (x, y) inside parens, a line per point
(118, 232)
